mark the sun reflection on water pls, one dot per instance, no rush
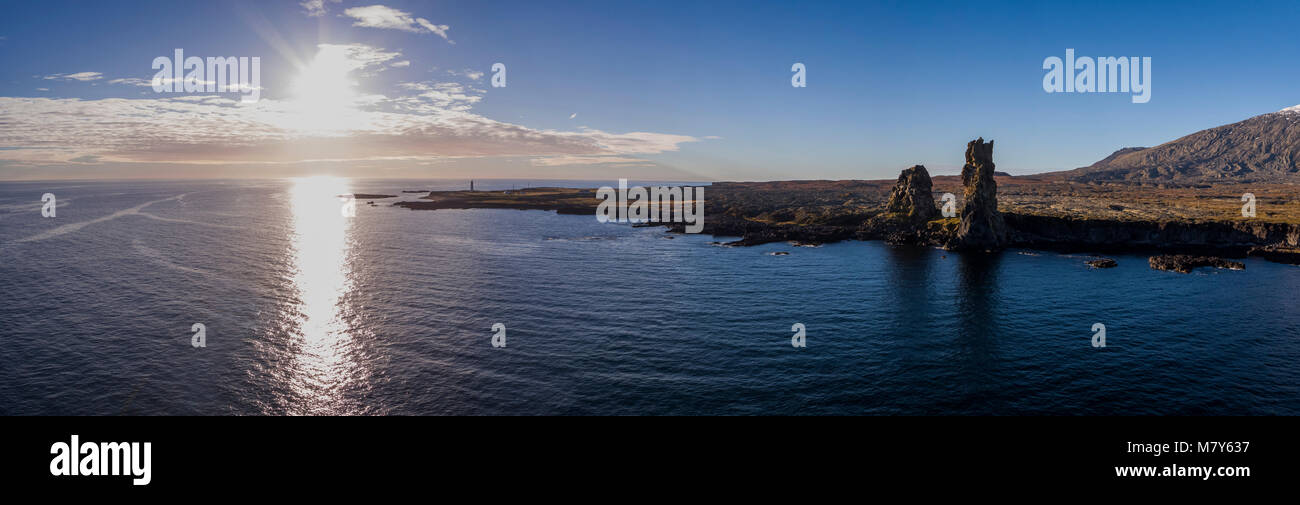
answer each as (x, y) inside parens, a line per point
(324, 367)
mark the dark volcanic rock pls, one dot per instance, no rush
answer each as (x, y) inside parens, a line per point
(1103, 263)
(755, 233)
(912, 199)
(1185, 263)
(905, 220)
(1277, 254)
(1108, 235)
(982, 226)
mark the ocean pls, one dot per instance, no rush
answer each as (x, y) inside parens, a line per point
(305, 311)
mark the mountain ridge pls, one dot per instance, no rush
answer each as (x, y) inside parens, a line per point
(1263, 148)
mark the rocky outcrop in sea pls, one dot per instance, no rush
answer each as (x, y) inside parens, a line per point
(982, 227)
(1102, 263)
(1185, 263)
(912, 199)
(906, 217)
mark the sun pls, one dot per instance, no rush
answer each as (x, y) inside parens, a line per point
(324, 97)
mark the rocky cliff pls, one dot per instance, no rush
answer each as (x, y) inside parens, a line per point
(1230, 237)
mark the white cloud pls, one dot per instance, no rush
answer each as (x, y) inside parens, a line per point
(361, 55)
(384, 17)
(315, 8)
(400, 64)
(367, 59)
(555, 161)
(165, 81)
(416, 121)
(436, 96)
(633, 142)
(42, 89)
(79, 76)
(198, 129)
(469, 72)
(571, 116)
(441, 30)
(131, 81)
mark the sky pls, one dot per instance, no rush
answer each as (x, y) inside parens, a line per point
(658, 90)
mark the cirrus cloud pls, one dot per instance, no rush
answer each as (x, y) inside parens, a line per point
(79, 76)
(315, 8)
(384, 17)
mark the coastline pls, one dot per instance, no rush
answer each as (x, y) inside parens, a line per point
(819, 212)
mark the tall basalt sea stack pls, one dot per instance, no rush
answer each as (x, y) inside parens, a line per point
(982, 226)
(912, 199)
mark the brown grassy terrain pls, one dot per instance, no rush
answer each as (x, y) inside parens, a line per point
(1274, 203)
(810, 202)
(844, 202)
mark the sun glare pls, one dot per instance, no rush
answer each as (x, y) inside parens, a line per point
(322, 368)
(324, 97)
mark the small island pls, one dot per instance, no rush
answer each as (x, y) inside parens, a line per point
(560, 200)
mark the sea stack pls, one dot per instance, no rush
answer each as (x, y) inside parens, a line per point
(912, 199)
(982, 227)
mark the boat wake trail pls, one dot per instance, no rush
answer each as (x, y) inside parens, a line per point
(69, 228)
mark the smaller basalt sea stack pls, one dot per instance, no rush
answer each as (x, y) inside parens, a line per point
(912, 198)
(982, 226)
(906, 216)
(1184, 263)
(1102, 263)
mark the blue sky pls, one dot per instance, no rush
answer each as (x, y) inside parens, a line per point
(644, 90)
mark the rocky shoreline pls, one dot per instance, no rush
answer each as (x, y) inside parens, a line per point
(819, 212)
(910, 217)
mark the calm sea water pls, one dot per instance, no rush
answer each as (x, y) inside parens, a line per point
(391, 312)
